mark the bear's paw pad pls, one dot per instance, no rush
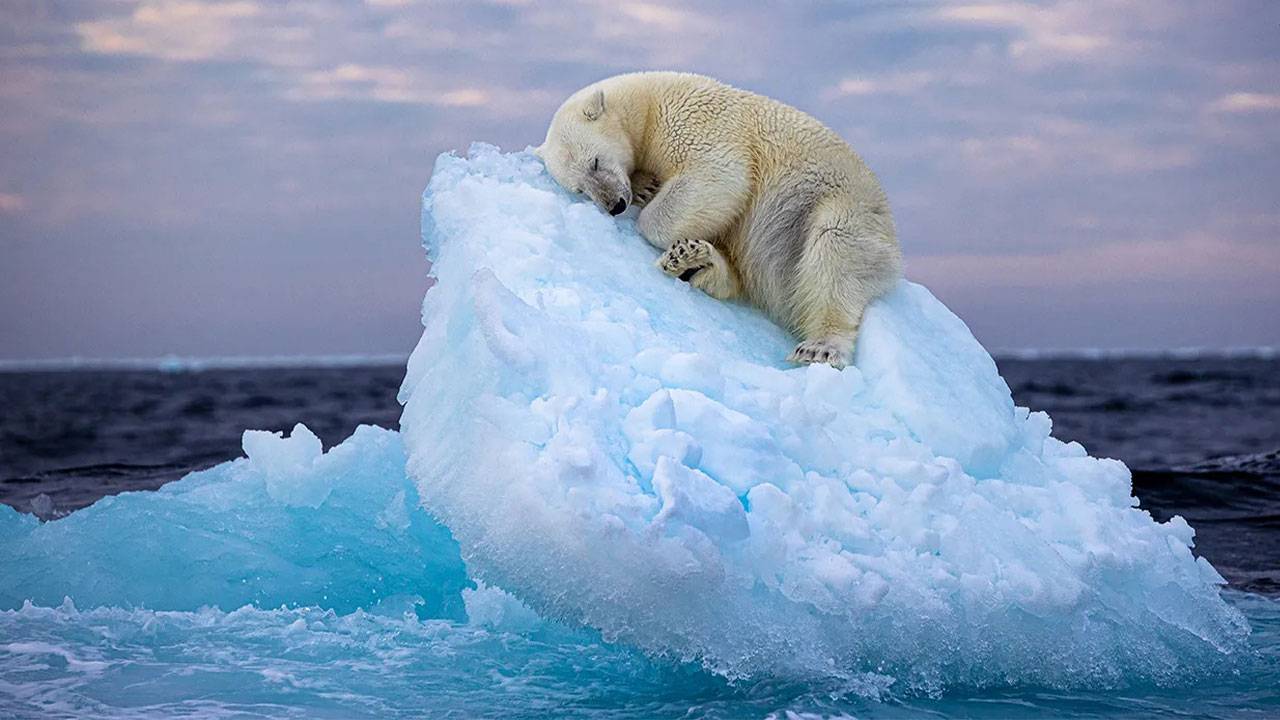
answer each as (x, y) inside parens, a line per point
(685, 256)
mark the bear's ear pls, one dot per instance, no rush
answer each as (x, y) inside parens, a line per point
(595, 106)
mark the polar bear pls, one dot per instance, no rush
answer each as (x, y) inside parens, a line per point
(746, 197)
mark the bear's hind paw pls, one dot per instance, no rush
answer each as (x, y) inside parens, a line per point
(834, 351)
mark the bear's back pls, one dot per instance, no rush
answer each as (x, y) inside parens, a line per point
(694, 112)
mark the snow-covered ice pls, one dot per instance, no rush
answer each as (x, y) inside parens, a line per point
(616, 449)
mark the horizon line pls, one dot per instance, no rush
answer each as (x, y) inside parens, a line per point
(192, 363)
(198, 363)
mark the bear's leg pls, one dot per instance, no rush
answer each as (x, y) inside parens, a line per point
(699, 205)
(847, 261)
(702, 265)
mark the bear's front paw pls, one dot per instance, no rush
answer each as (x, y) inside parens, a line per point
(834, 351)
(643, 188)
(685, 258)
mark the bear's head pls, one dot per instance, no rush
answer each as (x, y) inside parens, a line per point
(587, 151)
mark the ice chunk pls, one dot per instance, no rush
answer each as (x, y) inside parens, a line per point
(496, 609)
(924, 366)
(287, 464)
(691, 498)
(42, 507)
(291, 525)
(612, 447)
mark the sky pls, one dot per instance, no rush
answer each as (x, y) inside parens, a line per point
(208, 178)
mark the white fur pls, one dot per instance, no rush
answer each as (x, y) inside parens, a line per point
(747, 197)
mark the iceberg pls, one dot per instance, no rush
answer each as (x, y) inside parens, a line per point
(605, 483)
(620, 451)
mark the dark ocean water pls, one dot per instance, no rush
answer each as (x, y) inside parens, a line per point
(1202, 436)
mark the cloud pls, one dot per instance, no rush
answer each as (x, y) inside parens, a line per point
(10, 203)
(1075, 31)
(384, 84)
(383, 52)
(663, 17)
(903, 83)
(1246, 102)
(1053, 147)
(1041, 31)
(181, 30)
(1197, 256)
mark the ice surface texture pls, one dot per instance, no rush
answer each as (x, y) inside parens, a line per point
(617, 449)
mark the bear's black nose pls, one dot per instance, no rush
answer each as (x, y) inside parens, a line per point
(618, 207)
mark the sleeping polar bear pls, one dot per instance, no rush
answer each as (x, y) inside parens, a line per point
(746, 196)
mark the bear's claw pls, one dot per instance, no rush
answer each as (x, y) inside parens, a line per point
(835, 352)
(643, 188)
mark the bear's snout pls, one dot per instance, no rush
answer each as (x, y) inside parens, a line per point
(619, 207)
